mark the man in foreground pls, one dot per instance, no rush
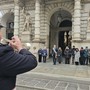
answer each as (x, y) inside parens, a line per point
(13, 63)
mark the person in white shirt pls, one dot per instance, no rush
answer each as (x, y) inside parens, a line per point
(77, 56)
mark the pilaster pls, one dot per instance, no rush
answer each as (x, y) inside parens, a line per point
(37, 21)
(16, 17)
(88, 29)
(76, 23)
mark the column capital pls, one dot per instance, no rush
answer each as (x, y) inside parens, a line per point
(77, 0)
(16, 2)
(77, 22)
(38, 1)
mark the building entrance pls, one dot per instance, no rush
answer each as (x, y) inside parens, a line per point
(65, 37)
(8, 22)
(60, 29)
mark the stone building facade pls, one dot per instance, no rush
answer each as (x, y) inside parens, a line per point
(60, 22)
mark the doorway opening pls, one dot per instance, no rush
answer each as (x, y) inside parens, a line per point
(65, 37)
(60, 29)
(8, 22)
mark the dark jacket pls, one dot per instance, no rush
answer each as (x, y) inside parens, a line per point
(67, 53)
(53, 52)
(73, 52)
(40, 52)
(12, 64)
(44, 52)
(82, 53)
(59, 53)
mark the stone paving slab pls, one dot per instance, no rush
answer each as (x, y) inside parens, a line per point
(52, 83)
(55, 77)
(62, 69)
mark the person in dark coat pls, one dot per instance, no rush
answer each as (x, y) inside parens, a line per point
(86, 56)
(44, 54)
(73, 50)
(54, 54)
(89, 56)
(67, 54)
(13, 63)
(59, 55)
(40, 55)
(82, 56)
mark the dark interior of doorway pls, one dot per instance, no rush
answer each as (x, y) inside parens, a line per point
(62, 42)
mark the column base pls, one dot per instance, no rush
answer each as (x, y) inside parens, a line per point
(26, 36)
(36, 40)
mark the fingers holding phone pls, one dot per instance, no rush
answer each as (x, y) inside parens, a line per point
(15, 43)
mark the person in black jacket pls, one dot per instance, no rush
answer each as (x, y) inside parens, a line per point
(54, 54)
(67, 54)
(40, 55)
(59, 55)
(73, 50)
(13, 63)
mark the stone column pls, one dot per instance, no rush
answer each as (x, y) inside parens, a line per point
(76, 23)
(37, 21)
(88, 27)
(16, 17)
(47, 35)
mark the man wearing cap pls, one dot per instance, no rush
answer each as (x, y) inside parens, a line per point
(12, 63)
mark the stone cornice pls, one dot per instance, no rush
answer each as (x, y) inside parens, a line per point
(85, 1)
(57, 1)
(3, 2)
(80, 41)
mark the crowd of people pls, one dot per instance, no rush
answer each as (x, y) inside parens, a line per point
(42, 53)
(71, 55)
(74, 56)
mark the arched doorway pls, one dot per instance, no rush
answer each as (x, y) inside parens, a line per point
(60, 29)
(65, 34)
(8, 22)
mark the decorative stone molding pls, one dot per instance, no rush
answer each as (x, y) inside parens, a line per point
(37, 20)
(77, 19)
(16, 2)
(52, 8)
(16, 18)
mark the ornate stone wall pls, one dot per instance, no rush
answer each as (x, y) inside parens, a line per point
(30, 8)
(50, 9)
(47, 9)
(6, 8)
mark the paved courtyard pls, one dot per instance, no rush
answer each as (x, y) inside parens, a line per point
(55, 77)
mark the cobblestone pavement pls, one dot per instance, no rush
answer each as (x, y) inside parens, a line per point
(55, 77)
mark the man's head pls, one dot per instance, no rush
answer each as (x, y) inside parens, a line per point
(54, 46)
(73, 46)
